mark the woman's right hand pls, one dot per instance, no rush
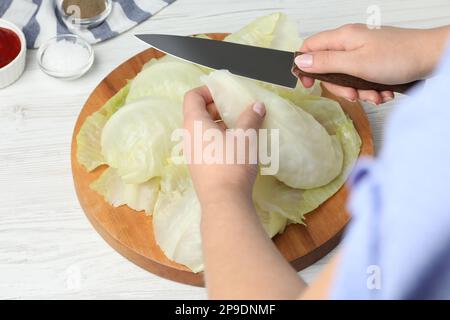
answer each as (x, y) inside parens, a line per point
(387, 55)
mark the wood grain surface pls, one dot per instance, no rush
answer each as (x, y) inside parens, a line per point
(131, 233)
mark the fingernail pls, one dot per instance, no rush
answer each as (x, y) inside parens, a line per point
(387, 99)
(371, 102)
(350, 100)
(259, 108)
(304, 60)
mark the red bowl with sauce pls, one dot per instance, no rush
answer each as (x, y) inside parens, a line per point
(12, 53)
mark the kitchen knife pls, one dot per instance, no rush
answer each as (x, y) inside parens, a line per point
(268, 65)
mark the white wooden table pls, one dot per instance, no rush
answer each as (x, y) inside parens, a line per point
(48, 249)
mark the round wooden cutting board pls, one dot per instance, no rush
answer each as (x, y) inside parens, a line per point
(131, 233)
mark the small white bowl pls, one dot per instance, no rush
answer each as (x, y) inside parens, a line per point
(66, 75)
(12, 71)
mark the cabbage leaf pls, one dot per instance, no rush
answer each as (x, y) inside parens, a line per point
(88, 139)
(351, 144)
(136, 140)
(176, 225)
(308, 156)
(169, 79)
(177, 216)
(274, 196)
(176, 221)
(139, 197)
(272, 222)
(276, 31)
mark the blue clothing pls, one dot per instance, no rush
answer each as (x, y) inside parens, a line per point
(397, 245)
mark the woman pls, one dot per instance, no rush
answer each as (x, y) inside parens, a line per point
(397, 244)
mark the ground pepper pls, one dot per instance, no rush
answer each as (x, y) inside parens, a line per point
(87, 8)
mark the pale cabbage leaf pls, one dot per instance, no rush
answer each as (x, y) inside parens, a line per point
(271, 194)
(137, 139)
(326, 111)
(176, 225)
(177, 216)
(163, 59)
(276, 31)
(308, 156)
(272, 222)
(351, 144)
(88, 139)
(169, 79)
(176, 221)
(139, 197)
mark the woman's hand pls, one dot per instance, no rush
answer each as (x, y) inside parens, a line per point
(388, 55)
(218, 182)
(241, 261)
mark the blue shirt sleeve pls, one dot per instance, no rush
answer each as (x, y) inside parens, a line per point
(397, 245)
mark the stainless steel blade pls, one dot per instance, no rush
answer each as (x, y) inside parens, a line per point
(262, 64)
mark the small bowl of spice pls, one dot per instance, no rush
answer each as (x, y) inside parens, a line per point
(66, 57)
(13, 48)
(83, 14)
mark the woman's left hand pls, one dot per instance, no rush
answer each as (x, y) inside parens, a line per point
(218, 181)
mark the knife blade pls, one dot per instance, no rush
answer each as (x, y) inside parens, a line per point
(263, 64)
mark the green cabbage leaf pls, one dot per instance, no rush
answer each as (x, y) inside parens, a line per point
(176, 225)
(139, 197)
(88, 139)
(167, 78)
(308, 156)
(136, 140)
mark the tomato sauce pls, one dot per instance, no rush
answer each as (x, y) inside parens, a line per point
(9, 46)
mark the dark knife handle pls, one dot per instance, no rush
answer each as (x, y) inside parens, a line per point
(346, 80)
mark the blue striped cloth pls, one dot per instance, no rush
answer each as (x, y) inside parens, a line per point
(39, 22)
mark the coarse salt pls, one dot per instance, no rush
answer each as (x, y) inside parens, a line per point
(65, 57)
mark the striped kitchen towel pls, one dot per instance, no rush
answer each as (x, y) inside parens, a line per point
(39, 22)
